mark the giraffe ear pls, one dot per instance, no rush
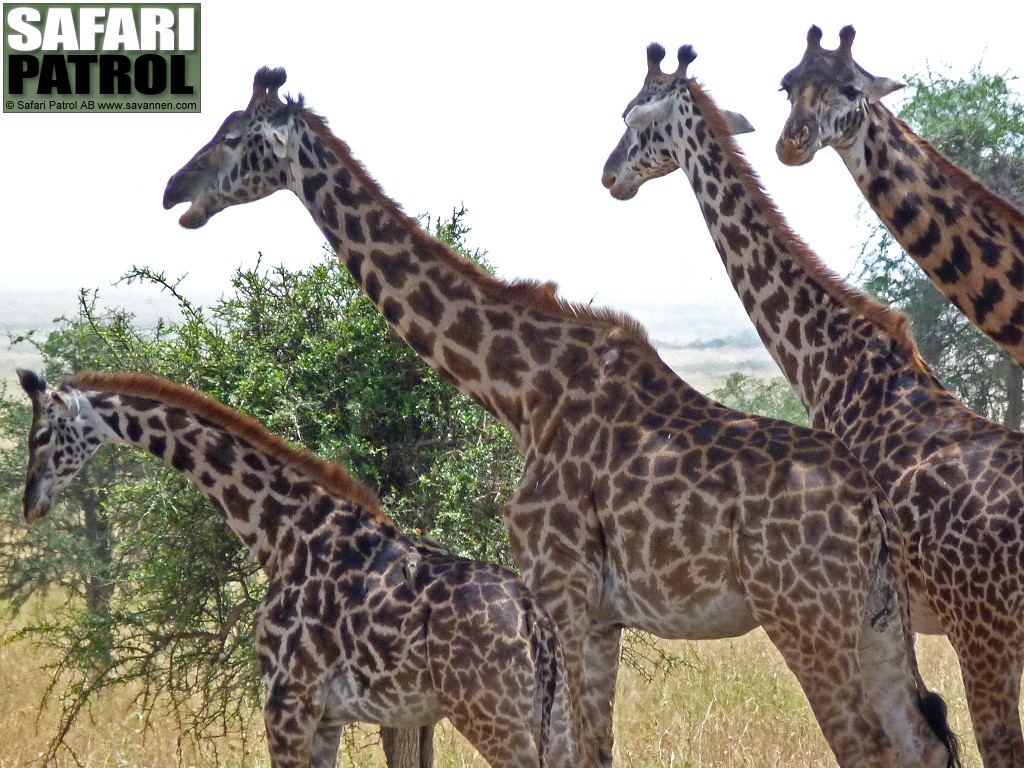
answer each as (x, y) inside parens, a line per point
(67, 402)
(879, 87)
(642, 115)
(279, 140)
(737, 123)
(31, 382)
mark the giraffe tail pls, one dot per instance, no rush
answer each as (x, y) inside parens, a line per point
(933, 708)
(931, 705)
(546, 665)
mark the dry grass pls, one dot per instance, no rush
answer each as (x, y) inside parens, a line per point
(732, 704)
(111, 733)
(736, 704)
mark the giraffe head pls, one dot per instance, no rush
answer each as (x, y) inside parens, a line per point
(60, 442)
(828, 92)
(654, 118)
(246, 159)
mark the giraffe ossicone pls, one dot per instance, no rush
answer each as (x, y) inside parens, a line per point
(359, 623)
(642, 503)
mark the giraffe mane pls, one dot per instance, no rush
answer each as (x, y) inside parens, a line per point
(333, 477)
(541, 296)
(892, 321)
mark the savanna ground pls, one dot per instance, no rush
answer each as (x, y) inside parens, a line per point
(730, 703)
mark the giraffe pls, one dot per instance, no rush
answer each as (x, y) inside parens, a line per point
(968, 240)
(642, 502)
(956, 479)
(360, 623)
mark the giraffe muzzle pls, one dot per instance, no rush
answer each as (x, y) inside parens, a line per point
(793, 152)
(36, 509)
(181, 188)
(618, 189)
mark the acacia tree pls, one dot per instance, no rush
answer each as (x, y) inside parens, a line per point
(978, 122)
(155, 589)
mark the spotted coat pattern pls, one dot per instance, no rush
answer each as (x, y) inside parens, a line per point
(955, 478)
(359, 622)
(642, 502)
(968, 240)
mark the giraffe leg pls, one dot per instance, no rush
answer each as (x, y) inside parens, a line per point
(982, 625)
(495, 712)
(828, 670)
(992, 685)
(888, 663)
(566, 578)
(291, 722)
(583, 657)
(482, 668)
(602, 648)
(591, 658)
(512, 737)
(814, 616)
(408, 747)
(292, 710)
(559, 746)
(501, 745)
(887, 667)
(326, 739)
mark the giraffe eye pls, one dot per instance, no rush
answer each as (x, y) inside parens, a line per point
(851, 93)
(232, 140)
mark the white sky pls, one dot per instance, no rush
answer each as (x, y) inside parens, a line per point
(510, 109)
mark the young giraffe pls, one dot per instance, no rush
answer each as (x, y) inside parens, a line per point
(642, 503)
(955, 478)
(969, 240)
(359, 622)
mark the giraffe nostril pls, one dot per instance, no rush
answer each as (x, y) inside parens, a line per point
(608, 179)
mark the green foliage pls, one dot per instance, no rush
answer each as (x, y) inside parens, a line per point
(159, 592)
(765, 396)
(978, 122)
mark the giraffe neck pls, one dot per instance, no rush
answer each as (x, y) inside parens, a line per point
(488, 337)
(968, 240)
(254, 480)
(809, 320)
(846, 356)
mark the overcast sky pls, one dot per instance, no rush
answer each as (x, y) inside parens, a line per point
(510, 109)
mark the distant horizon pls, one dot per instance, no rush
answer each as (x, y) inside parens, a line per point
(703, 353)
